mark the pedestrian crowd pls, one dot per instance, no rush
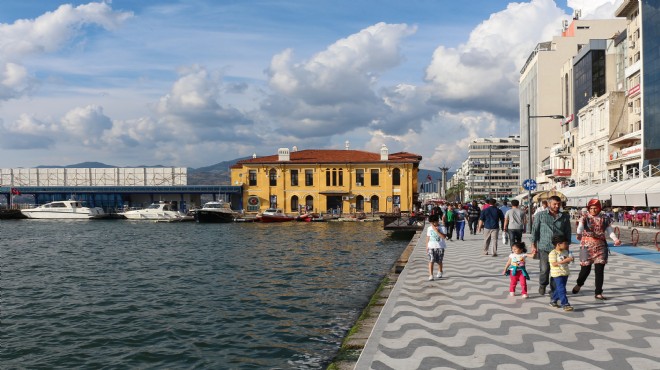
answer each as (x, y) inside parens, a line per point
(550, 238)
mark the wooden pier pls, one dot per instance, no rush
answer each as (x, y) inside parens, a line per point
(403, 222)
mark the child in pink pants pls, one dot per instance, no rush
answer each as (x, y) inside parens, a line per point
(515, 268)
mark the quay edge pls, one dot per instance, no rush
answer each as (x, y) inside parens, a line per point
(357, 336)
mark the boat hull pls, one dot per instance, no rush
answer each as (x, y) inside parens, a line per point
(62, 215)
(204, 216)
(152, 216)
(272, 219)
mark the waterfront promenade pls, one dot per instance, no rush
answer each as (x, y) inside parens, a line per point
(467, 320)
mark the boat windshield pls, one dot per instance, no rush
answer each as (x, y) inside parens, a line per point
(154, 206)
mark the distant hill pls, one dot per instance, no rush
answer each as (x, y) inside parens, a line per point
(216, 174)
(82, 165)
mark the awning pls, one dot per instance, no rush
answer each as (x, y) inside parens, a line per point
(616, 192)
(653, 194)
(636, 192)
(582, 195)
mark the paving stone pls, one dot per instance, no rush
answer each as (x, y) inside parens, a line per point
(468, 320)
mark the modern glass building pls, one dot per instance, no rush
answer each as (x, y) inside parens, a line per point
(650, 14)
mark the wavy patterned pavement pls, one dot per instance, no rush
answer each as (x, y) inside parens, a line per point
(467, 320)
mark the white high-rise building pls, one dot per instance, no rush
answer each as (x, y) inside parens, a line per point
(493, 168)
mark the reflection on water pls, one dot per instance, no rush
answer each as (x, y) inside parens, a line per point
(142, 294)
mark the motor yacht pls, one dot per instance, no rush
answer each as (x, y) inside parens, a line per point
(161, 211)
(64, 209)
(217, 212)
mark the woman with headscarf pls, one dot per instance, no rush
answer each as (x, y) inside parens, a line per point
(591, 232)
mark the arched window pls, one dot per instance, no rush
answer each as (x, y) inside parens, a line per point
(309, 203)
(327, 177)
(294, 203)
(341, 177)
(272, 177)
(359, 203)
(374, 204)
(396, 177)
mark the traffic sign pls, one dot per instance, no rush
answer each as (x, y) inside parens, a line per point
(529, 184)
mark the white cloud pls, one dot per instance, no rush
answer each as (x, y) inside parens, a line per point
(52, 30)
(333, 92)
(595, 9)
(27, 132)
(14, 81)
(483, 73)
(47, 33)
(86, 124)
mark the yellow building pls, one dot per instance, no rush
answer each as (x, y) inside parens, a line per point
(329, 180)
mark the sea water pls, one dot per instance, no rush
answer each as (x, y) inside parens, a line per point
(139, 294)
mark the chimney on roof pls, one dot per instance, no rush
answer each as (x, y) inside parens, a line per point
(283, 155)
(384, 153)
(294, 149)
(347, 145)
(254, 155)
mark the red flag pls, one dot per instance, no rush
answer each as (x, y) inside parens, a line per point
(15, 191)
(428, 177)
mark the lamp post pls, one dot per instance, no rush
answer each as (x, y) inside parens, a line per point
(529, 160)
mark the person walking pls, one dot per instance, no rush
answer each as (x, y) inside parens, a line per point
(547, 224)
(490, 220)
(515, 268)
(460, 216)
(514, 222)
(435, 245)
(473, 216)
(449, 219)
(559, 259)
(591, 232)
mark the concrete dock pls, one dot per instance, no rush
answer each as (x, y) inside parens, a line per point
(467, 320)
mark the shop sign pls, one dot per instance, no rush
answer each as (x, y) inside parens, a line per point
(562, 172)
(633, 150)
(633, 90)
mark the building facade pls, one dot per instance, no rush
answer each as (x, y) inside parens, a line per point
(540, 87)
(493, 168)
(643, 83)
(344, 181)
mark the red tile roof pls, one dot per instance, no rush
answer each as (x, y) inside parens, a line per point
(332, 156)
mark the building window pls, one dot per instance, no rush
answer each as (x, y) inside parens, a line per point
(374, 204)
(374, 177)
(294, 203)
(252, 178)
(327, 177)
(341, 177)
(359, 203)
(396, 177)
(309, 203)
(334, 177)
(359, 177)
(294, 177)
(272, 177)
(309, 178)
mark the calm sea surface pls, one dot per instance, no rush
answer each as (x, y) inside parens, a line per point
(122, 294)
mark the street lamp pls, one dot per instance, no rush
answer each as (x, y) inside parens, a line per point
(529, 160)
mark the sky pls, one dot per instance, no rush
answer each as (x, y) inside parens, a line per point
(192, 83)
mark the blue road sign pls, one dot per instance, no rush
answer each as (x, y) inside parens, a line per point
(529, 184)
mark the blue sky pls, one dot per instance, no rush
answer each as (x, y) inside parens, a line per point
(193, 83)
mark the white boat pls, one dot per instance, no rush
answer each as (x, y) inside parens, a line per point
(65, 209)
(161, 211)
(218, 212)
